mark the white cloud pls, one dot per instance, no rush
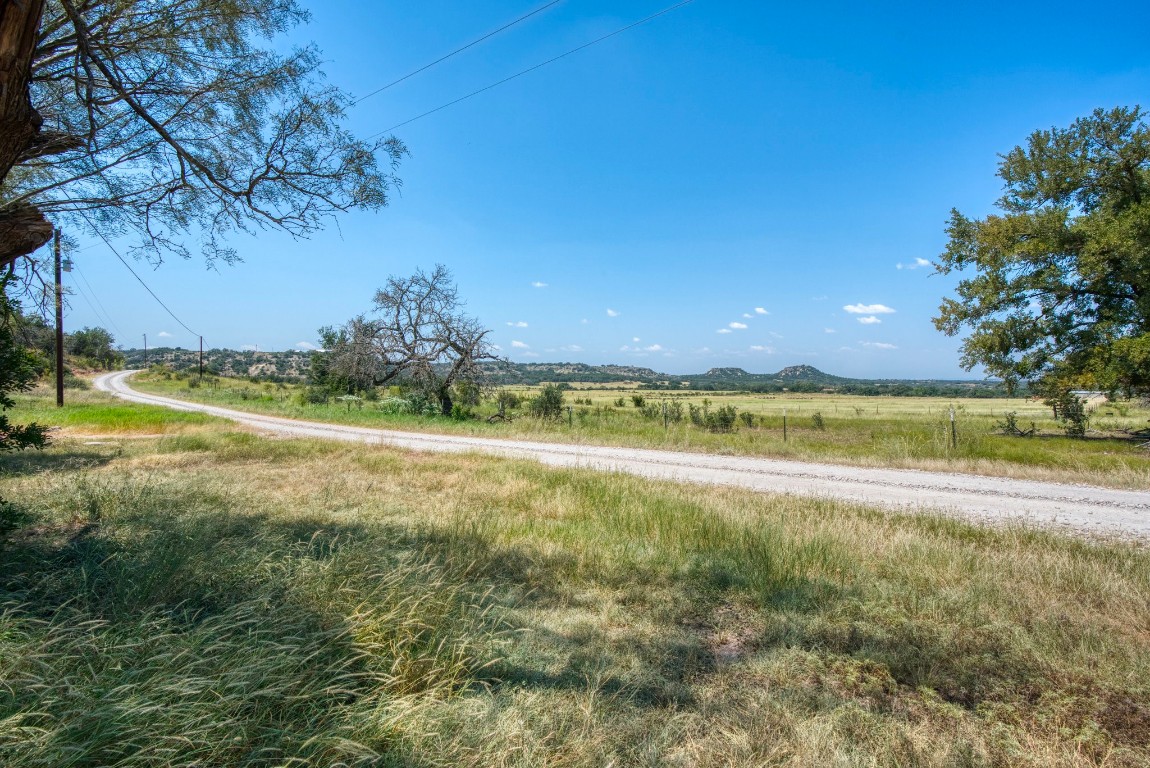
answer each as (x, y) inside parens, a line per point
(306, 345)
(917, 263)
(164, 335)
(878, 345)
(538, 284)
(776, 335)
(612, 313)
(635, 339)
(869, 320)
(519, 345)
(737, 326)
(747, 315)
(829, 330)
(654, 348)
(824, 297)
(868, 309)
(761, 311)
(517, 324)
(584, 321)
(723, 330)
(761, 348)
(530, 354)
(497, 348)
(571, 348)
(702, 351)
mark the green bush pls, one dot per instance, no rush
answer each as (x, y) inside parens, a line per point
(312, 396)
(548, 404)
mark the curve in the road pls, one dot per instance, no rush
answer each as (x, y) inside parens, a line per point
(1081, 508)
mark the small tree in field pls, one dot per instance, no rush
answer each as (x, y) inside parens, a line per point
(548, 404)
(417, 334)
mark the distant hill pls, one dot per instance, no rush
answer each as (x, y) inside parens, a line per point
(271, 366)
(293, 366)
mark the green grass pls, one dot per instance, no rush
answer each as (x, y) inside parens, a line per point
(213, 598)
(873, 431)
(95, 413)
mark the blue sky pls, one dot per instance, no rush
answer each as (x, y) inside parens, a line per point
(733, 183)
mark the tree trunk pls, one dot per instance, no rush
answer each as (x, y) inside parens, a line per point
(23, 228)
(445, 402)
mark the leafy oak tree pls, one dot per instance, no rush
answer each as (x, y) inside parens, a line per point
(1060, 291)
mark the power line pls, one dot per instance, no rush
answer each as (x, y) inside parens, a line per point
(537, 66)
(129, 268)
(106, 315)
(457, 50)
(99, 315)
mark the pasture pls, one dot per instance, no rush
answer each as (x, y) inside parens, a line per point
(911, 433)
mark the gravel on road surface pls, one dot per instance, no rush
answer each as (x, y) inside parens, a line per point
(1078, 508)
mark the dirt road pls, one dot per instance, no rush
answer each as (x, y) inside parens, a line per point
(1084, 509)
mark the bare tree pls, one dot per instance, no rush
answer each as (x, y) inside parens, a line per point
(166, 118)
(418, 334)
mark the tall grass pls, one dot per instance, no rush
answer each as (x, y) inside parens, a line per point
(218, 599)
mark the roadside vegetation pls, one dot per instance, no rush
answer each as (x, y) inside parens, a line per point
(1005, 437)
(176, 591)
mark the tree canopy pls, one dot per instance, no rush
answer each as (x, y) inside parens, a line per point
(1061, 287)
(417, 334)
(170, 119)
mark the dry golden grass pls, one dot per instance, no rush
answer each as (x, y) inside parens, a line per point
(461, 610)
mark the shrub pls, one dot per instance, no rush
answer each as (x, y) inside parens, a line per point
(394, 405)
(308, 396)
(620, 402)
(507, 400)
(748, 419)
(817, 421)
(675, 411)
(651, 411)
(722, 420)
(637, 401)
(1071, 411)
(548, 404)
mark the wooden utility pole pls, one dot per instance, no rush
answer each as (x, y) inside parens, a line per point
(59, 325)
(145, 350)
(201, 358)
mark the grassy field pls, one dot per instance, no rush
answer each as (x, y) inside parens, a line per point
(176, 592)
(869, 431)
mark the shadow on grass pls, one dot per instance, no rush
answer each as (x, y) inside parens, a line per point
(54, 459)
(198, 574)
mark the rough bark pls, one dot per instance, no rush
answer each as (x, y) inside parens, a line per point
(23, 228)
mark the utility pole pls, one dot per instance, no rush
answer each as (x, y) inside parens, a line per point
(201, 358)
(59, 325)
(145, 350)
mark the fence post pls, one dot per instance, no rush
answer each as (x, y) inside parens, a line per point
(953, 432)
(784, 425)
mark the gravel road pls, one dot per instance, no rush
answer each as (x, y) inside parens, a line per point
(1082, 509)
